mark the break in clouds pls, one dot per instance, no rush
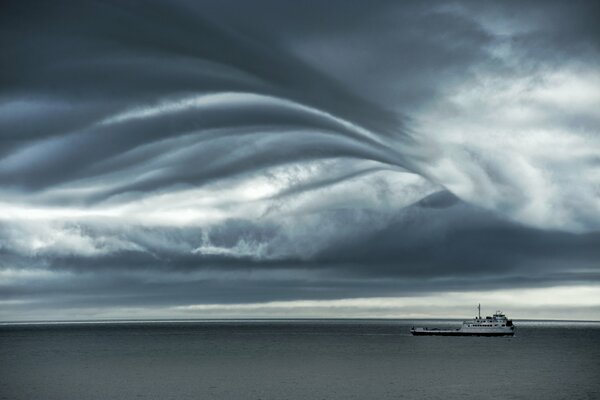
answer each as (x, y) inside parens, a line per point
(254, 158)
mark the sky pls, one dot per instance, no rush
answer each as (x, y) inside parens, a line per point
(258, 159)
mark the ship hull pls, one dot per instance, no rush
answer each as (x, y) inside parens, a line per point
(459, 333)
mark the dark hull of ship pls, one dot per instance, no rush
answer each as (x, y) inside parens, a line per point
(460, 333)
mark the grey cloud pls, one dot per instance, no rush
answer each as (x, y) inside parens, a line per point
(112, 107)
(421, 250)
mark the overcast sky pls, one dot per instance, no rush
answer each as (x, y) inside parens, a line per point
(207, 159)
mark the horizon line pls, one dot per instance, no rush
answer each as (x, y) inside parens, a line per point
(166, 320)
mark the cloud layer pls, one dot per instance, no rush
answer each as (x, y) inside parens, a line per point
(183, 154)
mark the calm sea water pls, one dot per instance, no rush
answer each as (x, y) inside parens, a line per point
(306, 359)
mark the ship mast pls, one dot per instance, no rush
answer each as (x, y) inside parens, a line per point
(479, 310)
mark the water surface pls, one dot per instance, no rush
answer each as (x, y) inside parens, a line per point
(295, 359)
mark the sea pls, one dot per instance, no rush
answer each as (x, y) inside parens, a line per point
(295, 359)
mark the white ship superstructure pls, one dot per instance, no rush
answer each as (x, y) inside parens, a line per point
(496, 325)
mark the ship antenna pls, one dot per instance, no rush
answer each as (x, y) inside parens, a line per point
(479, 310)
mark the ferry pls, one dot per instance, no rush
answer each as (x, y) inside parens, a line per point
(496, 325)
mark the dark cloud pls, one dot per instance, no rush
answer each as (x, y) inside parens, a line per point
(175, 153)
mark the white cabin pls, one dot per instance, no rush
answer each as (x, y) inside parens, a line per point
(496, 323)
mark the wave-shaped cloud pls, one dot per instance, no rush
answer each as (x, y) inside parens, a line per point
(411, 141)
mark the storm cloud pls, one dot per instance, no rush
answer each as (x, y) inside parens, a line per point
(163, 158)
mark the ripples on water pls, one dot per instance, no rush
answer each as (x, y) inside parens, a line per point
(301, 359)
